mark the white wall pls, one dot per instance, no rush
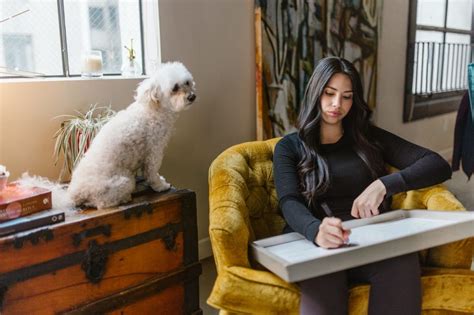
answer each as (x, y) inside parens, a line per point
(215, 39)
(28, 108)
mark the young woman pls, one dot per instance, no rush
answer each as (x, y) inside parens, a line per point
(339, 158)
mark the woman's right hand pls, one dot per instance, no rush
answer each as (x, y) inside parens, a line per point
(331, 234)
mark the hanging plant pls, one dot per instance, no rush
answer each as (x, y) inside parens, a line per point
(74, 136)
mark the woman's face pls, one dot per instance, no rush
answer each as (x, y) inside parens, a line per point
(336, 100)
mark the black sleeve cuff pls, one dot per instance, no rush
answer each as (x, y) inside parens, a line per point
(311, 230)
(394, 183)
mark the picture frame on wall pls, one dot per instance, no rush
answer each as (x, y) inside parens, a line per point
(291, 36)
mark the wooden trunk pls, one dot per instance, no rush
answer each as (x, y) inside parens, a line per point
(140, 258)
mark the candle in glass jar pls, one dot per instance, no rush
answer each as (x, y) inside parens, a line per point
(92, 64)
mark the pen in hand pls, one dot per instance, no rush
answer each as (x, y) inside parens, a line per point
(329, 213)
(327, 210)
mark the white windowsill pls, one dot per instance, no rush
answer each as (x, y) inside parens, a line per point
(70, 79)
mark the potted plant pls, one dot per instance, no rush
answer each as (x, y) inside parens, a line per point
(75, 135)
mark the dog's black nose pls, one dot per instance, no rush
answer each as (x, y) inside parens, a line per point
(191, 97)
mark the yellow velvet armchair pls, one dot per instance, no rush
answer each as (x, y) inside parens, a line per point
(244, 207)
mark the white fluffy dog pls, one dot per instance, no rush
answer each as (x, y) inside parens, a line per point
(134, 139)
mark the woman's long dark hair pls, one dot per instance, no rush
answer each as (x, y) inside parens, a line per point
(313, 168)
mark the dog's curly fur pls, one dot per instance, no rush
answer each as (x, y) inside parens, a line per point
(135, 138)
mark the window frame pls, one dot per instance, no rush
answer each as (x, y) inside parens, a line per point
(423, 106)
(64, 49)
(63, 40)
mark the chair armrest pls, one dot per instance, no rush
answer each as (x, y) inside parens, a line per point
(453, 255)
(238, 287)
(229, 225)
(448, 289)
(229, 238)
(245, 290)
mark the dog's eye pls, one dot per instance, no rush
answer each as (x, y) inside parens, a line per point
(176, 88)
(187, 83)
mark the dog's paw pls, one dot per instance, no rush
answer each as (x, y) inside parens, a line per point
(161, 185)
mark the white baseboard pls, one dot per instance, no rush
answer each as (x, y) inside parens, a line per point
(205, 249)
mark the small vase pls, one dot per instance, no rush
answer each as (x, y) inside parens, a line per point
(131, 68)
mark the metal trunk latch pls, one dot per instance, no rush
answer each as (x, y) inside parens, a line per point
(169, 236)
(94, 262)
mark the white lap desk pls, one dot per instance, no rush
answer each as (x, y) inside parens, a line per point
(293, 258)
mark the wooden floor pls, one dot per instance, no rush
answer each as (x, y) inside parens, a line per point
(206, 281)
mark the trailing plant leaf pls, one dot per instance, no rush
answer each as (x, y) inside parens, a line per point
(76, 133)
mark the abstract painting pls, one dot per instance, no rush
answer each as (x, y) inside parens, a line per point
(292, 35)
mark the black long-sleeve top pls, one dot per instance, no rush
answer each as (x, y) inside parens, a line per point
(349, 176)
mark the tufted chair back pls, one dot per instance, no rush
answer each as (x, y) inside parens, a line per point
(251, 167)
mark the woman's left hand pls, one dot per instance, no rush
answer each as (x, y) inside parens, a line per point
(368, 202)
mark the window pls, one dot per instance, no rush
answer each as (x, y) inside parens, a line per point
(48, 38)
(18, 51)
(110, 25)
(439, 49)
(42, 54)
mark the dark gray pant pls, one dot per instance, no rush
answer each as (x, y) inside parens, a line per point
(395, 288)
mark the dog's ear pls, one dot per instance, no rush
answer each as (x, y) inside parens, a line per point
(148, 90)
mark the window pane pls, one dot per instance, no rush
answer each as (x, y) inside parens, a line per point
(427, 62)
(105, 25)
(459, 14)
(439, 67)
(430, 12)
(429, 36)
(457, 57)
(30, 42)
(458, 38)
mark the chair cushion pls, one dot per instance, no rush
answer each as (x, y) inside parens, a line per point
(243, 290)
(445, 291)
